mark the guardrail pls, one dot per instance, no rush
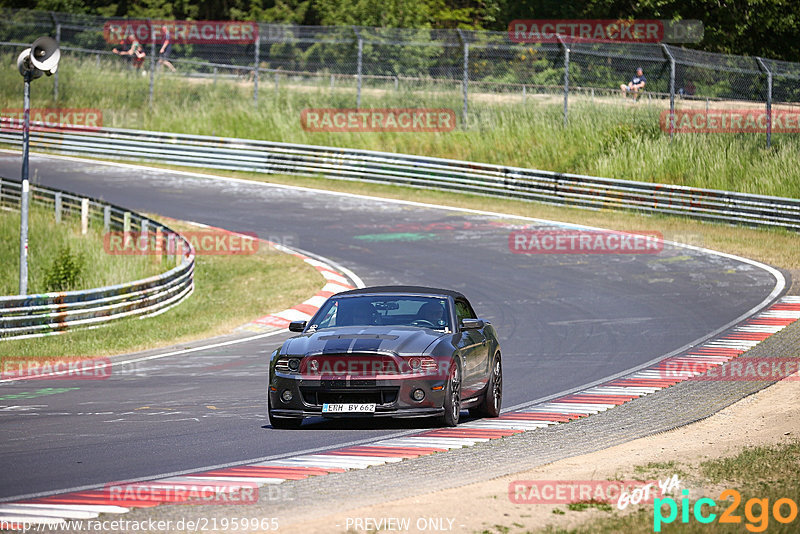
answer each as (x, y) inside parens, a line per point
(49, 313)
(418, 171)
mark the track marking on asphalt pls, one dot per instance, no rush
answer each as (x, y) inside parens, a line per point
(551, 410)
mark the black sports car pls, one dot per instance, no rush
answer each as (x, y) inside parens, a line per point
(392, 351)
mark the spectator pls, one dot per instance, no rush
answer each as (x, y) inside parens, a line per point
(688, 90)
(135, 51)
(635, 85)
(166, 50)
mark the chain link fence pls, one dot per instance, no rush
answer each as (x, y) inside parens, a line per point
(460, 68)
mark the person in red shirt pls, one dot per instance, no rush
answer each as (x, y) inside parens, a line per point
(135, 51)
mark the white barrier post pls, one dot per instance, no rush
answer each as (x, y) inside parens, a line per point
(58, 208)
(144, 238)
(158, 247)
(126, 229)
(84, 216)
(178, 250)
(106, 219)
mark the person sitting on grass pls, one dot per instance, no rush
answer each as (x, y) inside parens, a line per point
(635, 85)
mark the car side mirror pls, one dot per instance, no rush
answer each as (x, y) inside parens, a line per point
(472, 324)
(297, 326)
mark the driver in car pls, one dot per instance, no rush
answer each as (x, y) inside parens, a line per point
(431, 312)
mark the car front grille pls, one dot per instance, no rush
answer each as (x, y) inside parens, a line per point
(317, 396)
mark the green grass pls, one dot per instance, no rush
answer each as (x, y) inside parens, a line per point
(47, 240)
(767, 472)
(610, 138)
(229, 291)
(585, 505)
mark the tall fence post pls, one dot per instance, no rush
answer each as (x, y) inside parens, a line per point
(257, 54)
(671, 59)
(566, 77)
(769, 99)
(58, 40)
(152, 61)
(359, 65)
(464, 79)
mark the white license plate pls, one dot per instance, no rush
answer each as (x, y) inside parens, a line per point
(348, 408)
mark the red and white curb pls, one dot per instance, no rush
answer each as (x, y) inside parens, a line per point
(89, 504)
(336, 282)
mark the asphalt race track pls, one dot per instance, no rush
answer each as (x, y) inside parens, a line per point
(565, 320)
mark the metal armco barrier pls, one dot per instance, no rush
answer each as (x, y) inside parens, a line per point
(50, 313)
(419, 171)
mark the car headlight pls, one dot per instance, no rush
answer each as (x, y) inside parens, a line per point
(286, 364)
(421, 364)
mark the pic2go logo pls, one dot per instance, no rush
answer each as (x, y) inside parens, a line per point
(756, 511)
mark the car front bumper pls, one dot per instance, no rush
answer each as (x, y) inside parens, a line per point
(391, 396)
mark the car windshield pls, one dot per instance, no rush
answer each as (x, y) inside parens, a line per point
(383, 310)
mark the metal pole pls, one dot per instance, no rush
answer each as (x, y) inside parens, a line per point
(23, 221)
(769, 100)
(566, 77)
(671, 90)
(255, 70)
(359, 65)
(465, 79)
(152, 62)
(55, 79)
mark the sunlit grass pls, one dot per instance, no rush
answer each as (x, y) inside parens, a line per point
(605, 137)
(230, 290)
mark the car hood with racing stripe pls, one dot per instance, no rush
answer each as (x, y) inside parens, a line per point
(360, 339)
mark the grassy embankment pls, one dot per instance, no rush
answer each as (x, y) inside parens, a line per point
(607, 137)
(764, 474)
(229, 289)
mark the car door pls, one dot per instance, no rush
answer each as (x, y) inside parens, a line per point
(474, 350)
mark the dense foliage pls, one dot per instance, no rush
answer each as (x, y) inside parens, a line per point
(769, 28)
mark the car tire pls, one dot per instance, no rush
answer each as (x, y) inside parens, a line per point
(452, 396)
(493, 398)
(283, 423)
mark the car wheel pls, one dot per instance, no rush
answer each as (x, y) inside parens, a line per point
(493, 398)
(283, 423)
(452, 396)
